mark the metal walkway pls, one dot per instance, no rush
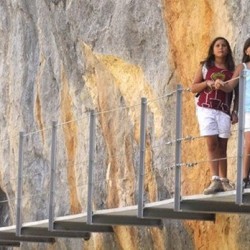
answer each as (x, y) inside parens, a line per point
(193, 207)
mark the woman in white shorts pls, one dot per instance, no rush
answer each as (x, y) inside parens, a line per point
(213, 110)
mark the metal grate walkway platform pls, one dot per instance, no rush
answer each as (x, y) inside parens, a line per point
(195, 207)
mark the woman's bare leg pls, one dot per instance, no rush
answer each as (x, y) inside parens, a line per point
(213, 154)
(246, 164)
(222, 150)
(212, 147)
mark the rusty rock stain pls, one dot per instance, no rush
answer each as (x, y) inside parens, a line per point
(70, 134)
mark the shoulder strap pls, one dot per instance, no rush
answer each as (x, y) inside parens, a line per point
(204, 71)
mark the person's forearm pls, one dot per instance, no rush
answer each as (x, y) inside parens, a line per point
(226, 88)
(198, 87)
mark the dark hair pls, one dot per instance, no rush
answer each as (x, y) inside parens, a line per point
(246, 58)
(209, 61)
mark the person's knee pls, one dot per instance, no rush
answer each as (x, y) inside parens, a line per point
(222, 152)
(212, 146)
(222, 147)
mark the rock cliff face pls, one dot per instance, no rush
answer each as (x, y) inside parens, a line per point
(59, 59)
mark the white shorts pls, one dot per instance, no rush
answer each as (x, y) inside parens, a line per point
(213, 122)
(247, 122)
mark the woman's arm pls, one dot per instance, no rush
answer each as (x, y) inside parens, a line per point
(199, 84)
(234, 115)
(229, 86)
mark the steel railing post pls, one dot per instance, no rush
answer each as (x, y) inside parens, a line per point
(142, 157)
(241, 114)
(178, 126)
(19, 186)
(52, 177)
(92, 128)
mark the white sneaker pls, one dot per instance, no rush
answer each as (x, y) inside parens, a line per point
(214, 187)
(227, 185)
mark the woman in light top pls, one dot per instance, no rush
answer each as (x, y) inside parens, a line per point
(228, 87)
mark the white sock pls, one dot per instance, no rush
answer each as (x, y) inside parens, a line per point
(223, 179)
(215, 177)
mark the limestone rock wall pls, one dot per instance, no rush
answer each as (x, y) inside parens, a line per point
(59, 59)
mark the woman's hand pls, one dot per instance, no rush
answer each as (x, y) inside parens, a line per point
(218, 84)
(210, 84)
(234, 117)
